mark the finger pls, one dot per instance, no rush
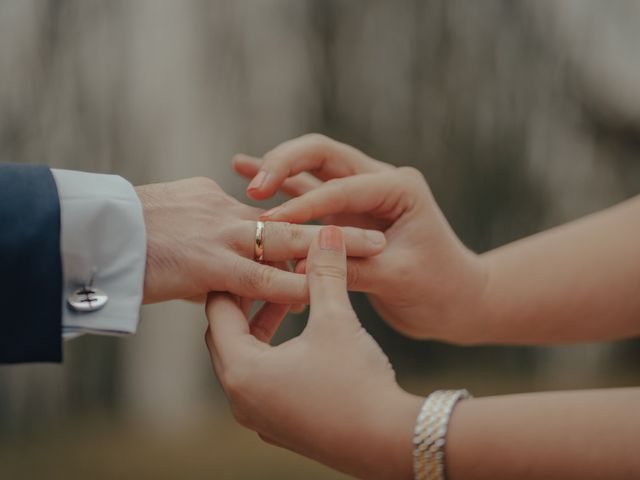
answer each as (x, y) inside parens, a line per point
(301, 267)
(266, 321)
(229, 334)
(297, 309)
(295, 186)
(379, 194)
(270, 440)
(357, 220)
(264, 282)
(245, 305)
(362, 274)
(215, 359)
(286, 241)
(323, 156)
(201, 299)
(299, 185)
(327, 277)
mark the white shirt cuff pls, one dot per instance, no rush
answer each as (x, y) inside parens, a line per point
(102, 236)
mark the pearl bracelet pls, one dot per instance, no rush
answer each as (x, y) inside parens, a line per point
(430, 433)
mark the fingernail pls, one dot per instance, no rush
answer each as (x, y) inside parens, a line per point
(298, 308)
(301, 267)
(331, 238)
(269, 213)
(258, 181)
(375, 237)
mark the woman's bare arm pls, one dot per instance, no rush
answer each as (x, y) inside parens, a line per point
(578, 282)
(563, 435)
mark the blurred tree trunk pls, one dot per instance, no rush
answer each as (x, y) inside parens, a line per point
(521, 115)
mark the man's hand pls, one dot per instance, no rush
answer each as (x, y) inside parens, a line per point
(199, 239)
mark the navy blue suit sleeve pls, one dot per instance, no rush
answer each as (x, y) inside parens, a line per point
(30, 265)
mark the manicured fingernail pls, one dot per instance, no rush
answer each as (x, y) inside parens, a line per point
(298, 308)
(375, 237)
(258, 181)
(269, 213)
(331, 238)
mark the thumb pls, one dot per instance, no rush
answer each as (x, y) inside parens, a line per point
(327, 278)
(228, 335)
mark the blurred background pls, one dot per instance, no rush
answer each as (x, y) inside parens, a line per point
(522, 115)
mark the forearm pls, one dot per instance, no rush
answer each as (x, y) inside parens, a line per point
(589, 434)
(577, 282)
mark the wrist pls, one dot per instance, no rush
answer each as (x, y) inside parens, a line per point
(150, 295)
(468, 322)
(391, 434)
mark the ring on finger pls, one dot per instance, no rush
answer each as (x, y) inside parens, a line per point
(258, 251)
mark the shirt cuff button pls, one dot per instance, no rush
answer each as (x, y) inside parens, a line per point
(87, 299)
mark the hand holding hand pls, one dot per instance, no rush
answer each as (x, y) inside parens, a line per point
(425, 283)
(329, 394)
(199, 239)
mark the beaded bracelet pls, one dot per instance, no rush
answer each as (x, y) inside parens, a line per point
(430, 433)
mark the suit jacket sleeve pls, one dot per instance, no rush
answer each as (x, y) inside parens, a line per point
(59, 230)
(30, 265)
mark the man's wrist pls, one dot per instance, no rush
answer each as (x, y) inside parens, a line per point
(144, 197)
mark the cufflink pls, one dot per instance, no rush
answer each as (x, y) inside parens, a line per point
(87, 298)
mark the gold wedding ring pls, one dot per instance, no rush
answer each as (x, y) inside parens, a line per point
(258, 250)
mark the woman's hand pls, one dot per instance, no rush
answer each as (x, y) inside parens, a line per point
(425, 283)
(200, 240)
(329, 394)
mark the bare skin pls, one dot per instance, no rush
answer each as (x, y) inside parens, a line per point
(200, 239)
(331, 395)
(556, 286)
(574, 283)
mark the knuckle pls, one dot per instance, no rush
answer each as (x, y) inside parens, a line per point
(289, 235)
(284, 231)
(205, 182)
(329, 270)
(334, 311)
(411, 172)
(317, 139)
(295, 233)
(263, 276)
(269, 159)
(266, 276)
(414, 179)
(353, 275)
(256, 276)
